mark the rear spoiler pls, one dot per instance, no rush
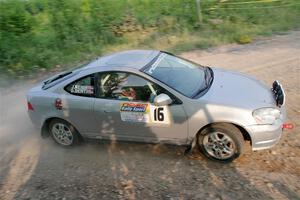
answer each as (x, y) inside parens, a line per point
(278, 93)
(57, 79)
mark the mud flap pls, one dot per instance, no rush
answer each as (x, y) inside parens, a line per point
(44, 131)
(190, 147)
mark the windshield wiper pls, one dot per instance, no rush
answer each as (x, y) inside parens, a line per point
(208, 78)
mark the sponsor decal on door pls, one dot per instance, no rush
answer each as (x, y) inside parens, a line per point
(134, 112)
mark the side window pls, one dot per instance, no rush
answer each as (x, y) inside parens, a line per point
(82, 87)
(126, 86)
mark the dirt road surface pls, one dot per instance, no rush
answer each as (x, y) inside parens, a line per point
(35, 168)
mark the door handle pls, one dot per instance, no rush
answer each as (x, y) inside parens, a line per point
(107, 111)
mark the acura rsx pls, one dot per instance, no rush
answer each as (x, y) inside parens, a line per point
(154, 96)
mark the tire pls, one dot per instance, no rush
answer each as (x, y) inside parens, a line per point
(221, 142)
(63, 133)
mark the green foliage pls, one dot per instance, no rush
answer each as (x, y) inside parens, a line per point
(40, 34)
(244, 39)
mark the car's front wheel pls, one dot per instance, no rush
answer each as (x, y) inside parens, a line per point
(63, 132)
(221, 142)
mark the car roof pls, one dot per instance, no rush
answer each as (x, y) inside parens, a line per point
(133, 58)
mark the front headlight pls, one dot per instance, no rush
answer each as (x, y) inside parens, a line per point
(266, 115)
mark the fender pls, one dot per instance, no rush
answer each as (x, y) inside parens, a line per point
(45, 123)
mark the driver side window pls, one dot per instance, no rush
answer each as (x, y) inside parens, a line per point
(126, 86)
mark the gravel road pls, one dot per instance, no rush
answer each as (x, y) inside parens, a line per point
(35, 168)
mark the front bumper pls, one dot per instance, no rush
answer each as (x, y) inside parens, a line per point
(265, 136)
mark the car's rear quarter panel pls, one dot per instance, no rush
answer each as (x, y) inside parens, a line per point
(43, 106)
(76, 110)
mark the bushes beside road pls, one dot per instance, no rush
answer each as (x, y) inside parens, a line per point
(42, 34)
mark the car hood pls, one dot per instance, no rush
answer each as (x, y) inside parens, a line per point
(238, 90)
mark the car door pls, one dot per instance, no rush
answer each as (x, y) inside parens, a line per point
(123, 109)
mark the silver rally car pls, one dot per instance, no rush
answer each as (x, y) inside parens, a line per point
(154, 96)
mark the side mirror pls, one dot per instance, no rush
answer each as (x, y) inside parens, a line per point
(162, 100)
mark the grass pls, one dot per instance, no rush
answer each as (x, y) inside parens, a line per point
(39, 35)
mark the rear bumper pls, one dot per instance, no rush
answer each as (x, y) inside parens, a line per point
(36, 121)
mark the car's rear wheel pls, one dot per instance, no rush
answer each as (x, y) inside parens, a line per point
(63, 133)
(221, 142)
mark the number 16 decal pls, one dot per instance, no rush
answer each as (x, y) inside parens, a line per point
(159, 114)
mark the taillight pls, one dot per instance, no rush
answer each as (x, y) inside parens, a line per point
(58, 104)
(29, 106)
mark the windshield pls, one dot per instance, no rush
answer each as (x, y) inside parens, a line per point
(185, 77)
